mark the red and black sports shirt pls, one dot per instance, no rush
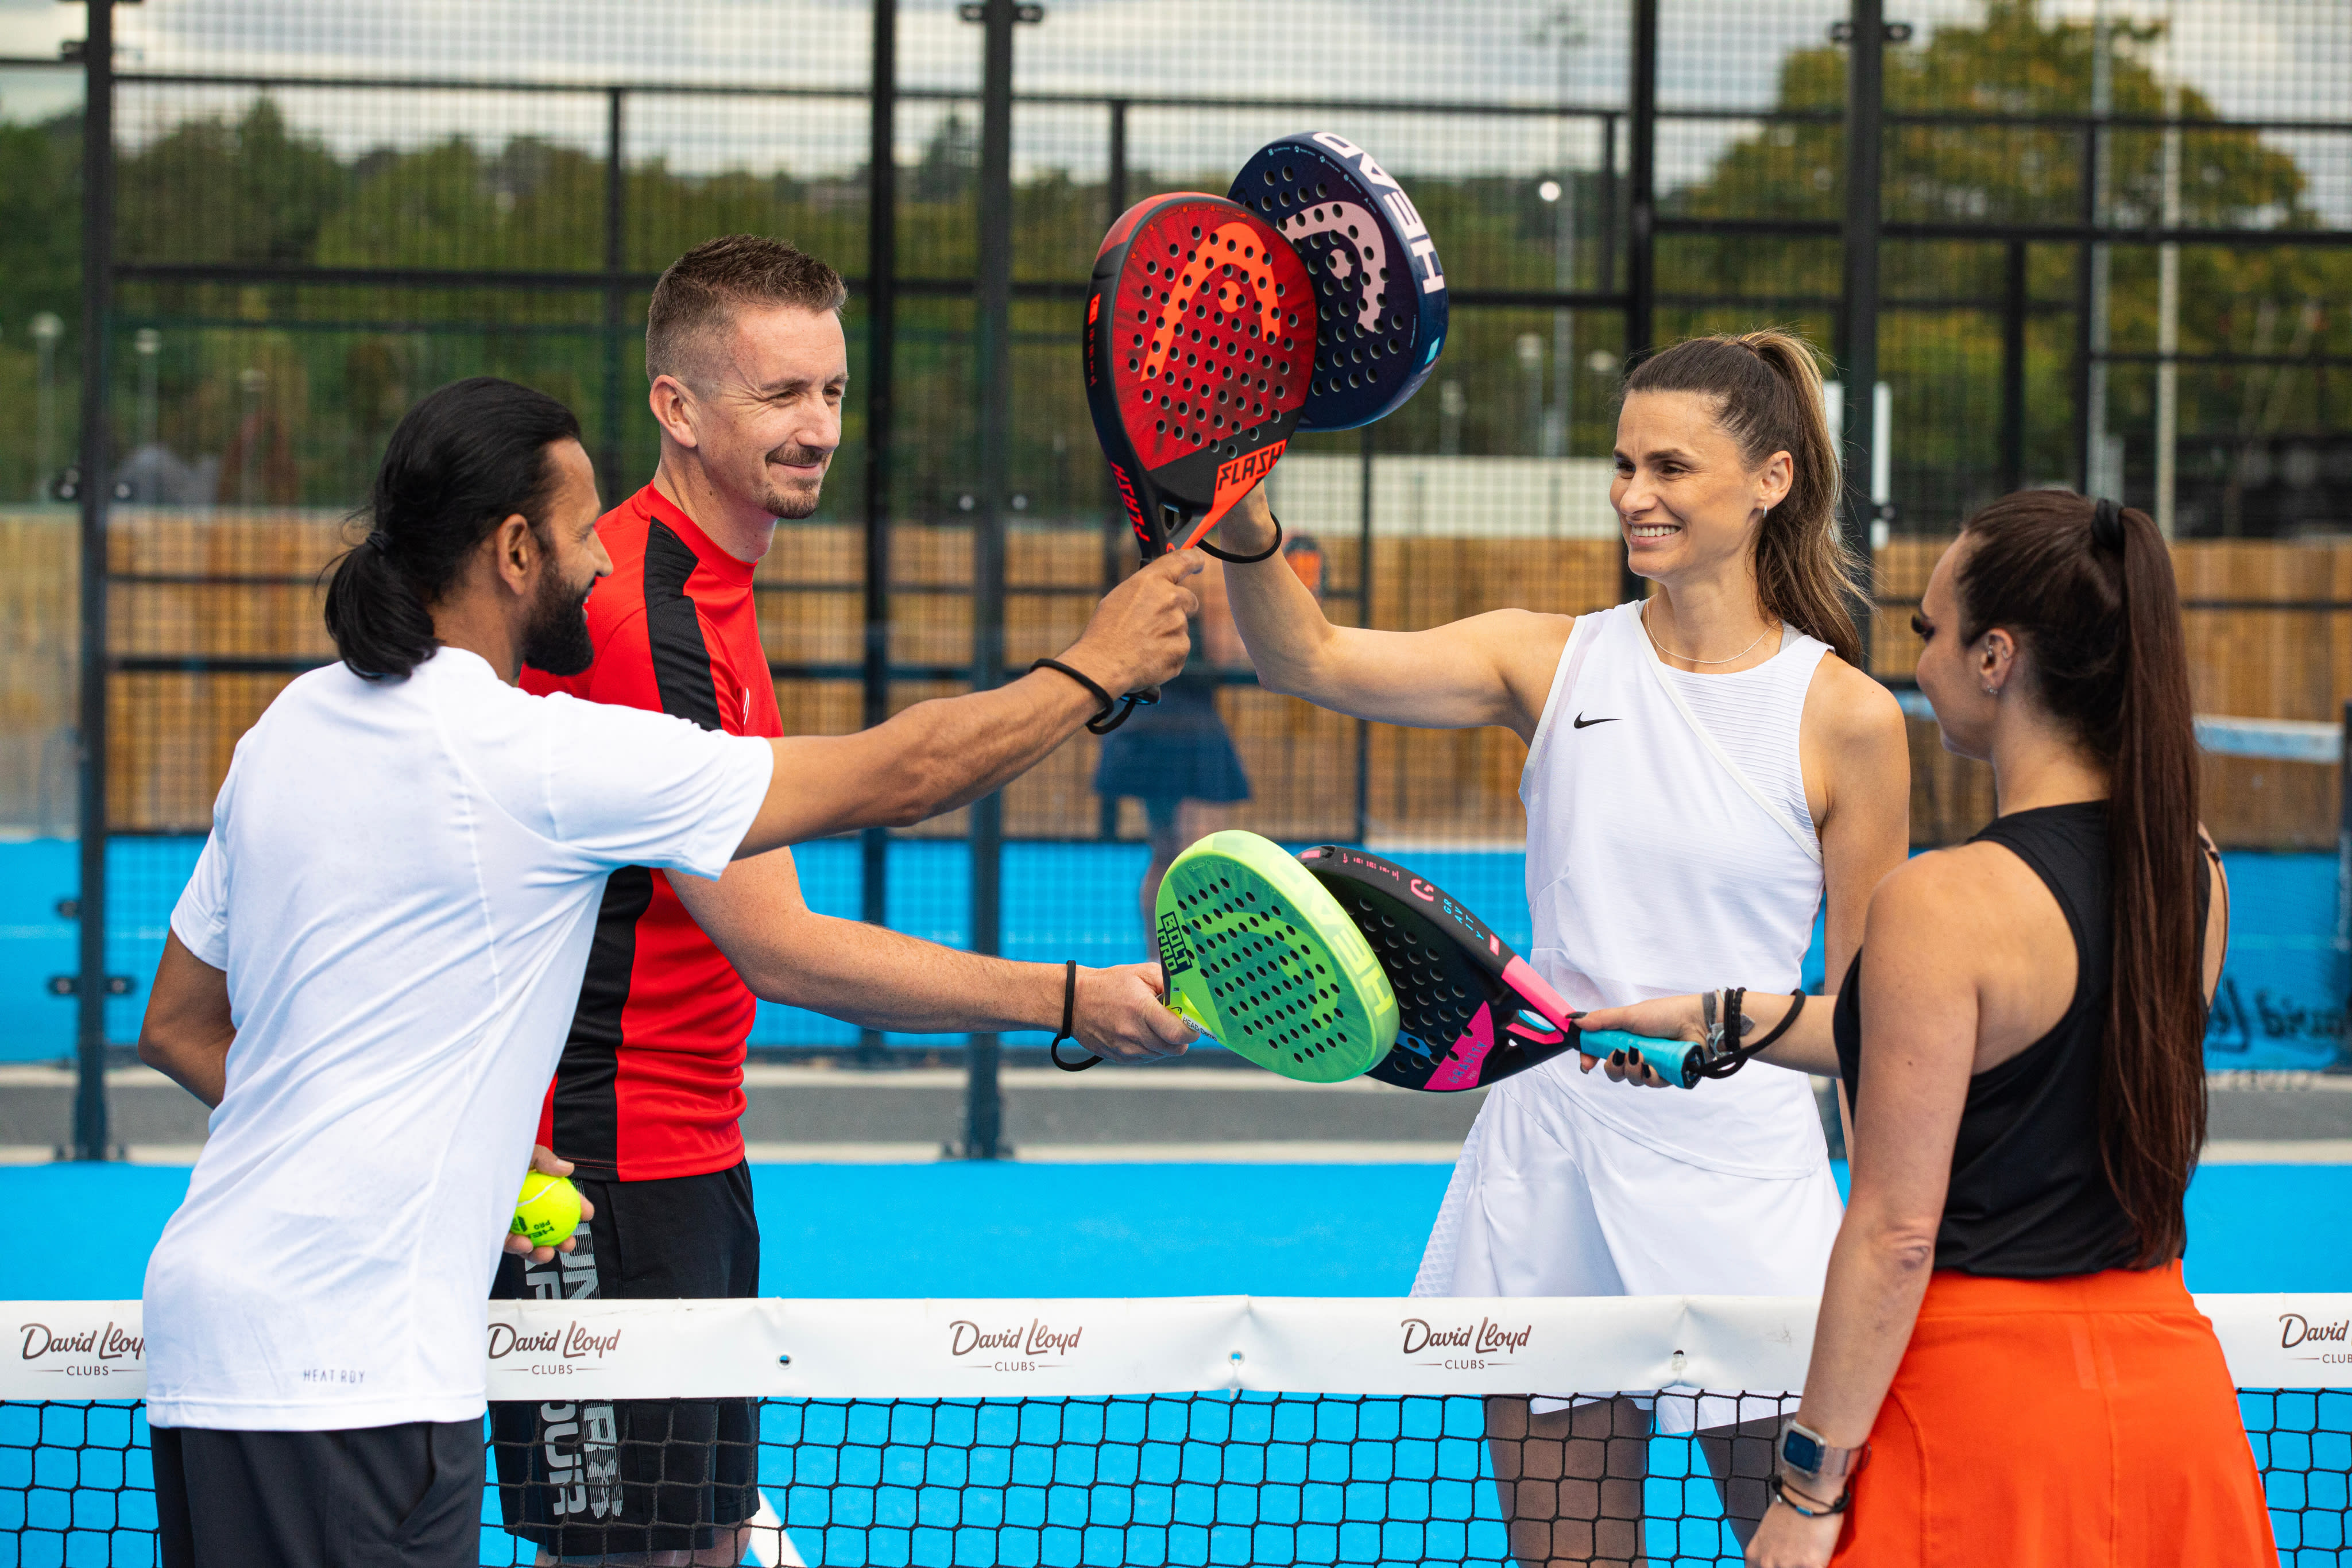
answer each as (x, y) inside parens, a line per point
(651, 1082)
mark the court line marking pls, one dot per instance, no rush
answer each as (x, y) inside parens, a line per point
(1287, 1152)
(2281, 1152)
(48, 1075)
(1300, 1151)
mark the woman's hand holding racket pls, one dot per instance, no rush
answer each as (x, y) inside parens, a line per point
(1120, 1015)
(1666, 1018)
(1249, 528)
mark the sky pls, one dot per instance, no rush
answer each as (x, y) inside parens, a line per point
(2277, 58)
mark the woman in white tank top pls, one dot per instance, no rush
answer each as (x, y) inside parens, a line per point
(1704, 771)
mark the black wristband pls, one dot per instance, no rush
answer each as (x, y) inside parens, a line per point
(1781, 1493)
(1209, 548)
(1069, 1006)
(1092, 685)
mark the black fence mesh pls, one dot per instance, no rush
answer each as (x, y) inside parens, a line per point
(2116, 242)
(1169, 1479)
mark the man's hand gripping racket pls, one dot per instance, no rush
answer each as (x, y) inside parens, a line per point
(1200, 345)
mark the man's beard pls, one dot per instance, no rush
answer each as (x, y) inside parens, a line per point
(775, 503)
(555, 640)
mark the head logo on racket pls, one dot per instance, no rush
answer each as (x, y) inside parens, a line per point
(1380, 291)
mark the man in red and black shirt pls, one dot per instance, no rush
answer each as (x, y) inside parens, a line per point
(745, 350)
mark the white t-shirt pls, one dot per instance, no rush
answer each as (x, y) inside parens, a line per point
(402, 884)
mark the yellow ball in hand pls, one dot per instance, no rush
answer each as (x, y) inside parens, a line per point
(548, 1210)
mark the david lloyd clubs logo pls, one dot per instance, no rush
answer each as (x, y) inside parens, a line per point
(554, 1351)
(1018, 1348)
(1465, 1349)
(2329, 1343)
(81, 1352)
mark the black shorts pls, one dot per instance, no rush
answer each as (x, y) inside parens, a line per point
(590, 1478)
(389, 1497)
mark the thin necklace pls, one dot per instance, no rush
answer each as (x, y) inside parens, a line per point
(1686, 658)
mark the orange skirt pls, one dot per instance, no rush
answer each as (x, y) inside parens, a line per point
(2075, 1422)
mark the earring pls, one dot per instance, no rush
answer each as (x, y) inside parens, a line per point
(1991, 691)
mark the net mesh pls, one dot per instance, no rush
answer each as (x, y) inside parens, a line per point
(1208, 1479)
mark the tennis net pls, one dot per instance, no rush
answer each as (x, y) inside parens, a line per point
(1199, 1430)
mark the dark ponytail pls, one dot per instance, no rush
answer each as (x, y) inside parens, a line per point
(461, 462)
(2088, 587)
(1768, 390)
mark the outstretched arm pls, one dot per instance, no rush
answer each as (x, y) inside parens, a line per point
(1494, 668)
(939, 755)
(880, 979)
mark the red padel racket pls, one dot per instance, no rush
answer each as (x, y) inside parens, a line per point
(1200, 344)
(1470, 1011)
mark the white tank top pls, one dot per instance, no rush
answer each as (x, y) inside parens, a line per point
(1654, 872)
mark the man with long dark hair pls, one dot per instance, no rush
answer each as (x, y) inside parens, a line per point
(374, 966)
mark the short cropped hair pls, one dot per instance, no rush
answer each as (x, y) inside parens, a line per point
(704, 288)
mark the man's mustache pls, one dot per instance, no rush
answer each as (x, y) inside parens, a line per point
(801, 455)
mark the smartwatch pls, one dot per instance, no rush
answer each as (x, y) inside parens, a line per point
(1805, 1452)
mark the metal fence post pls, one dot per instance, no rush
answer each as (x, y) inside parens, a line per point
(616, 261)
(1364, 618)
(2344, 883)
(881, 354)
(2012, 371)
(984, 1109)
(1114, 530)
(1864, 105)
(97, 486)
(1641, 213)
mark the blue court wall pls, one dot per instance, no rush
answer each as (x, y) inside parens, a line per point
(2281, 1006)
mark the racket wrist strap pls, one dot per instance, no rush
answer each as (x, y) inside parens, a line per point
(1069, 1006)
(1732, 1058)
(1266, 554)
(1104, 701)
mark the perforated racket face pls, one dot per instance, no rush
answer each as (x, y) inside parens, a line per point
(1464, 997)
(1199, 343)
(1380, 291)
(1263, 957)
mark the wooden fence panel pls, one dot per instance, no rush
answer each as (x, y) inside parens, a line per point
(229, 584)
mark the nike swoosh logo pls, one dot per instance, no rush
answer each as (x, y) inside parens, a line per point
(1584, 723)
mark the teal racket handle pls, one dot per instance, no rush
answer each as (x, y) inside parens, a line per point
(1675, 1061)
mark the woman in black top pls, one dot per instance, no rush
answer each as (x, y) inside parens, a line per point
(2005, 1342)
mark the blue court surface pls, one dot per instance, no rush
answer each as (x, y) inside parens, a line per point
(2280, 1004)
(958, 1229)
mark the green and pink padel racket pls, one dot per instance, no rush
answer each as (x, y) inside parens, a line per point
(1332, 964)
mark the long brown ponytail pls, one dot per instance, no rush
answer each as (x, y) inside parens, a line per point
(1768, 390)
(2088, 587)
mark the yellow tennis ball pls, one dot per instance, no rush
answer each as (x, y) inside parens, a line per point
(548, 1210)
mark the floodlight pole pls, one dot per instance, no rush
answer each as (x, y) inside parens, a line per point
(96, 488)
(1866, 104)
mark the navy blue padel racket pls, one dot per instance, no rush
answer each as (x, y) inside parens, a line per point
(1470, 1011)
(1380, 290)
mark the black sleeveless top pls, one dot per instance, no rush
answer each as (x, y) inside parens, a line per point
(2028, 1196)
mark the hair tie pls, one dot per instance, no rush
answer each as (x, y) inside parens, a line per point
(381, 540)
(2106, 525)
